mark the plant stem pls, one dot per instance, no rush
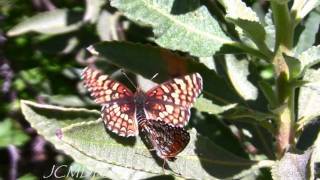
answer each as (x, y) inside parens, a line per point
(284, 26)
(285, 93)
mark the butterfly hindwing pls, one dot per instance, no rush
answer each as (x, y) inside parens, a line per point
(167, 140)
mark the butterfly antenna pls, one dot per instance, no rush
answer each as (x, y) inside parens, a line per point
(154, 76)
(124, 73)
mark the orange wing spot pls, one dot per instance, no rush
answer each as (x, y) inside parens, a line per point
(111, 123)
(124, 124)
(121, 89)
(113, 118)
(159, 92)
(130, 126)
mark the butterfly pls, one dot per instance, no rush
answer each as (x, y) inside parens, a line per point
(167, 140)
(169, 102)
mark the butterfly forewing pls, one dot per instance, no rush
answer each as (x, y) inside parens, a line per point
(167, 140)
(102, 88)
(171, 101)
(117, 102)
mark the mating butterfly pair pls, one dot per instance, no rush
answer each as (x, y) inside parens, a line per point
(160, 113)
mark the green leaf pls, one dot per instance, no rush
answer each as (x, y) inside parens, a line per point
(244, 114)
(28, 176)
(269, 93)
(292, 166)
(280, 1)
(80, 134)
(238, 71)
(205, 105)
(164, 62)
(245, 18)
(309, 98)
(53, 22)
(11, 134)
(237, 9)
(309, 57)
(183, 26)
(308, 36)
(301, 8)
(294, 66)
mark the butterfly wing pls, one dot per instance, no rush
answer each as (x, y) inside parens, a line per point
(116, 99)
(172, 100)
(167, 140)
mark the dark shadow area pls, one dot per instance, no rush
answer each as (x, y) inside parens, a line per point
(162, 177)
(317, 170)
(74, 17)
(261, 139)
(218, 132)
(138, 33)
(180, 7)
(218, 162)
(126, 141)
(309, 134)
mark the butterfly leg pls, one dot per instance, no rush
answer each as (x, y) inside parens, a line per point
(164, 163)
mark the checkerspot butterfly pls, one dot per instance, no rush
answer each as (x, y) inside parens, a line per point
(160, 113)
(169, 102)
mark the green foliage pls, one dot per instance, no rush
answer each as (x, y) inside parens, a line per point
(80, 133)
(11, 135)
(260, 75)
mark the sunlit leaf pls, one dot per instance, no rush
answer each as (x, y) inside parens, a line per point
(308, 36)
(178, 25)
(205, 105)
(245, 18)
(81, 134)
(52, 22)
(292, 166)
(270, 31)
(309, 97)
(301, 8)
(309, 57)
(237, 9)
(238, 71)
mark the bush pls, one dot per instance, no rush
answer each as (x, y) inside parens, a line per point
(257, 116)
